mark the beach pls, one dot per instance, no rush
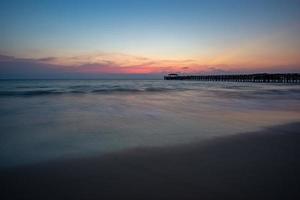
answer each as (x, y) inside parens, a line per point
(150, 100)
(148, 139)
(258, 165)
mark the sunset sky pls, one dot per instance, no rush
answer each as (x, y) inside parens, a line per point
(86, 38)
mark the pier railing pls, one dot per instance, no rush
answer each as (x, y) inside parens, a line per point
(262, 78)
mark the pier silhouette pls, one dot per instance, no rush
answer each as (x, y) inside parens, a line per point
(260, 78)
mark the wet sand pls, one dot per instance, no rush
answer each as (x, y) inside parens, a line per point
(259, 165)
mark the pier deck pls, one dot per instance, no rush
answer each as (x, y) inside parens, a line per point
(262, 78)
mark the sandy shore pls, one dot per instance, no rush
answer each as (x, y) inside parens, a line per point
(260, 165)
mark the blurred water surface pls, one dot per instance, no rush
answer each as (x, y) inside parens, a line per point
(41, 120)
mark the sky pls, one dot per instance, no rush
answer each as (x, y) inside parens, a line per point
(147, 38)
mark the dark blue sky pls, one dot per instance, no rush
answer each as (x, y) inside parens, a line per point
(209, 32)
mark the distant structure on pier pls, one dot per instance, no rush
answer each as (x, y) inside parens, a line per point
(172, 75)
(261, 78)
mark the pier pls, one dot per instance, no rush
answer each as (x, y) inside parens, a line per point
(260, 78)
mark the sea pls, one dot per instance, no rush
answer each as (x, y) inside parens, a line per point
(45, 120)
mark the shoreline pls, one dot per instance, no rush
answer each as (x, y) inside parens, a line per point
(258, 165)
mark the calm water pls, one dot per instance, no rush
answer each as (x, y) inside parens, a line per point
(41, 120)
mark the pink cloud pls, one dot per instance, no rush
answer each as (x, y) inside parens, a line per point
(109, 63)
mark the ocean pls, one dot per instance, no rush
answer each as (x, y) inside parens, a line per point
(45, 120)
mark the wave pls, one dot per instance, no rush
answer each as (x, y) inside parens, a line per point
(221, 93)
(29, 93)
(108, 90)
(80, 91)
(127, 87)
